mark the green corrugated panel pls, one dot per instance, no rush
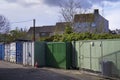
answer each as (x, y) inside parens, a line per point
(112, 58)
(76, 54)
(95, 55)
(96, 49)
(89, 54)
(81, 54)
(68, 55)
(84, 51)
(95, 64)
(110, 46)
(58, 55)
(111, 51)
(39, 53)
(85, 55)
(49, 55)
(118, 63)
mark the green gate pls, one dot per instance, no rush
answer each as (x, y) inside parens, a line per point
(58, 55)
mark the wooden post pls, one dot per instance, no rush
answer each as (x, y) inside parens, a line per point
(34, 29)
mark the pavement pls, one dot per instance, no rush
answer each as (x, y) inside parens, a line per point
(11, 71)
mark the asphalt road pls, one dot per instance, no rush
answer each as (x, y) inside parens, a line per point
(10, 71)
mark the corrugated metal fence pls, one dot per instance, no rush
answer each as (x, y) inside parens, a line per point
(2, 48)
(92, 54)
(34, 53)
(58, 55)
(95, 55)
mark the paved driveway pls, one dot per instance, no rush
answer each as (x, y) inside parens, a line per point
(10, 71)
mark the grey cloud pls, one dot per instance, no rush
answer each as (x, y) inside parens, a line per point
(22, 3)
(84, 3)
(113, 0)
(12, 1)
(53, 2)
(58, 2)
(99, 1)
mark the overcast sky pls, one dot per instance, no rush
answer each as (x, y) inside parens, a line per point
(46, 12)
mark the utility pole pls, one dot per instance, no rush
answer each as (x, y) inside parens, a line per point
(34, 21)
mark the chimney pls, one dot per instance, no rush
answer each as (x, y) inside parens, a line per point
(96, 11)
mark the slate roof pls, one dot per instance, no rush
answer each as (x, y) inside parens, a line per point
(60, 26)
(84, 18)
(89, 17)
(39, 29)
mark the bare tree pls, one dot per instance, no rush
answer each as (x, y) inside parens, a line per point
(69, 8)
(4, 25)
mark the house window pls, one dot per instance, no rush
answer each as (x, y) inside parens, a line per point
(77, 24)
(93, 24)
(43, 34)
(82, 25)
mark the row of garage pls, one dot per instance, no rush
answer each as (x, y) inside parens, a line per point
(94, 55)
(25, 53)
(51, 54)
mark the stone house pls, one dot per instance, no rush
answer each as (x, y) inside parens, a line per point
(41, 31)
(91, 22)
(46, 31)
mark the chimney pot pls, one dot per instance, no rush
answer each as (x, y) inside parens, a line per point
(96, 11)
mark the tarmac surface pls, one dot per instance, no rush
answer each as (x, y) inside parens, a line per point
(11, 71)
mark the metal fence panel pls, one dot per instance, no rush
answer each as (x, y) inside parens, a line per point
(28, 53)
(19, 52)
(13, 52)
(85, 55)
(96, 47)
(76, 54)
(39, 54)
(91, 53)
(2, 49)
(7, 52)
(58, 55)
(111, 52)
